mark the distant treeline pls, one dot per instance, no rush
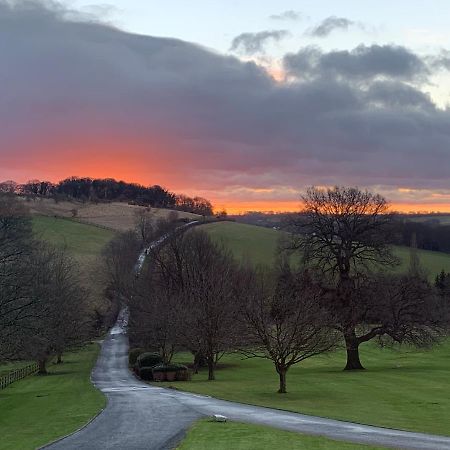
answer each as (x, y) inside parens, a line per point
(109, 189)
(429, 235)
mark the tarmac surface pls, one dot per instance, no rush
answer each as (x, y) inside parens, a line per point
(140, 416)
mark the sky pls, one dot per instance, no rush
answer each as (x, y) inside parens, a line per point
(243, 102)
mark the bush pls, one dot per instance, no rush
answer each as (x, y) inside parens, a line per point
(181, 372)
(133, 355)
(149, 359)
(169, 368)
(183, 375)
(146, 373)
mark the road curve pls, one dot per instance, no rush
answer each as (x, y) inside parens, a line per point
(139, 416)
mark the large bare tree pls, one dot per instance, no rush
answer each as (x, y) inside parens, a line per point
(344, 233)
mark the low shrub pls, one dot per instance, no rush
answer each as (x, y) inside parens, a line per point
(133, 355)
(169, 368)
(146, 373)
(149, 359)
(171, 372)
(183, 375)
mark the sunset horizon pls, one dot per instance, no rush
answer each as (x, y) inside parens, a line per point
(247, 117)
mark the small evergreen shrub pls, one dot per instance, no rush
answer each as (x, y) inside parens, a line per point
(149, 359)
(133, 355)
(146, 373)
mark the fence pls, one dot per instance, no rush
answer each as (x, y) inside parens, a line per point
(17, 374)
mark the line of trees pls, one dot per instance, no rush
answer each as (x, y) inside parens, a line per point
(43, 306)
(109, 189)
(193, 295)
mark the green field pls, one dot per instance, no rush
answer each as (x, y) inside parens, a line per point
(80, 240)
(207, 435)
(259, 245)
(43, 408)
(405, 389)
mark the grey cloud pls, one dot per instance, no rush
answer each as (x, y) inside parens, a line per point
(200, 118)
(361, 63)
(330, 24)
(251, 43)
(439, 62)
(289, 15)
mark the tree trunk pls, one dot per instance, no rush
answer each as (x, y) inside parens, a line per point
(352, 346)
(42, 366)
(282, 375)
(59, 360)
(211, 374)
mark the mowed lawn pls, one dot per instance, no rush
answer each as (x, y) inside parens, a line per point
(259, 245)
(208, 435)
(404, 389)
(39, 409)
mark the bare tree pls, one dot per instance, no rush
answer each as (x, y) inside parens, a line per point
(285, 320)
(62, 322)
(193, 293)
(145, 225)
(119, 260)
(16, 244)
(344, 232)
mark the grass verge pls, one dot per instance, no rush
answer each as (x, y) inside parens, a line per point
(40, 409)
(206, 435)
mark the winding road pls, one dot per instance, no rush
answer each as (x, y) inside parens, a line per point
(139, 416)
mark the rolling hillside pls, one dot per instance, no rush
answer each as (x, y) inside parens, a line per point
(259, 245)
(115, 215)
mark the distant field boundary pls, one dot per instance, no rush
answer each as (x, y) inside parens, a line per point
(18, 374)
(76, 220)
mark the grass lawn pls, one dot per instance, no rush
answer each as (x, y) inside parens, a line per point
(39, 409)
(207, 435)
(80, 240)
(259, 245)
(7, 367)
(405, 389)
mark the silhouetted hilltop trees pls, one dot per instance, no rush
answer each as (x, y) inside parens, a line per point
(109, 189)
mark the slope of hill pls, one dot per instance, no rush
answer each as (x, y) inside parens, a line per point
(83, 242)
(115, 215)
(259, 245)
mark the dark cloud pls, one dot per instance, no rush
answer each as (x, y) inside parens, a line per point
(361, 63)
(330, 24)
(79, 95)
(251, 43)
(289, 15)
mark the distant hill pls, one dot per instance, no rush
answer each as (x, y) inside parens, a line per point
(259, 244)
(115, 215)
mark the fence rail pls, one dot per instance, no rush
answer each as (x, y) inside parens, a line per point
(17, 374)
